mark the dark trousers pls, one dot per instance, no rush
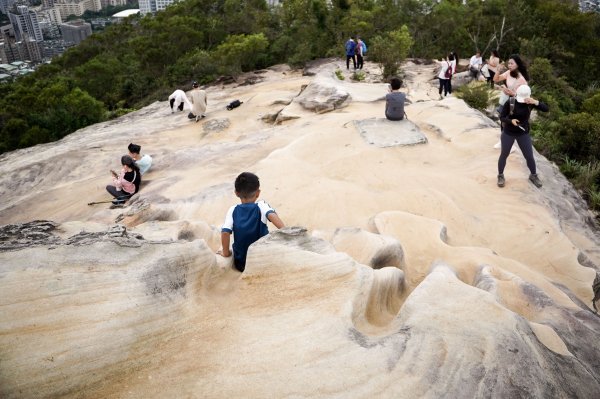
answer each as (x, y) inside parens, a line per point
(348, 57)
(445, 85)
(524, 142)
(172, 102)
(359, 61)
(491, 78)
(112, 190)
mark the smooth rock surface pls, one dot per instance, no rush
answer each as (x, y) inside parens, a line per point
(405, 272)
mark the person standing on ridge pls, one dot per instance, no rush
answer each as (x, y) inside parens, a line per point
(350, 53)
(199, 102)
(444, 76)
(359, 53)
(515, 119)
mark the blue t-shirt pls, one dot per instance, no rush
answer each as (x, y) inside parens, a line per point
(248, 223)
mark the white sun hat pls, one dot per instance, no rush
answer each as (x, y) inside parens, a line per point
(523, 92)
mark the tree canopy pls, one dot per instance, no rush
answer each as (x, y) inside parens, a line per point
(131, 64)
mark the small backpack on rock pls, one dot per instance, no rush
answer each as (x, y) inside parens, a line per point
(234, 104)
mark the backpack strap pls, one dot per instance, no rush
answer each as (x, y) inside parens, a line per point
(512, 105)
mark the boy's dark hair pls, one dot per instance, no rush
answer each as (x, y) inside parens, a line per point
(134, 148)
(246, 184)
(395, 83)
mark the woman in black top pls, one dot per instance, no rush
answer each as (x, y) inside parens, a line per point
(127, 182)
(515, 123)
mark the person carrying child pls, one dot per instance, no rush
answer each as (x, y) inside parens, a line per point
(247, 221)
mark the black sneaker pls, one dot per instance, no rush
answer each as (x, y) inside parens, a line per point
(501, 180)
(119, 200)
(535, 180)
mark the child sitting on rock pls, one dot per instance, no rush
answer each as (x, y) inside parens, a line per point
(247, 221)
(394, 101)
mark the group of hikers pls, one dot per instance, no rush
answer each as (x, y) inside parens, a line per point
(247, 221)
(355, 51)
(126, 182)
(515, 103)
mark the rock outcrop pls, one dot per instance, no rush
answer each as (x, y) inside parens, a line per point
(405, 273)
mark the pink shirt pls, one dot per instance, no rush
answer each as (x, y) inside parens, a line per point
(513, 83)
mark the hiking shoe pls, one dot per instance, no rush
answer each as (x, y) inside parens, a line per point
(535, 180)
(501, 180)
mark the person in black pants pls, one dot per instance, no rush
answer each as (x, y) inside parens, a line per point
(516, 128)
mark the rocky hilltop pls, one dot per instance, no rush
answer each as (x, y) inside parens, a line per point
(405, 272)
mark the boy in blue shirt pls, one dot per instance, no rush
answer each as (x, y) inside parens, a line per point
(247, 221)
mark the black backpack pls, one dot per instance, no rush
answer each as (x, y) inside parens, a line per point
(511, 106)
(234, 104)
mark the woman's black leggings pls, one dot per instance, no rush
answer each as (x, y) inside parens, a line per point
(445, 85)
(491, 78)
(524, 142)
(112, 190)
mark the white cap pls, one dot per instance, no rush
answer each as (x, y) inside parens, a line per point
(523, 92)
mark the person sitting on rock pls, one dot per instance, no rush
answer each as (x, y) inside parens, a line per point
(143, 162)
(127, 182)
(247, 221)
(394, 101)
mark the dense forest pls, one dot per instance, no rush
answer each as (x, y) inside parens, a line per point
(141, 60)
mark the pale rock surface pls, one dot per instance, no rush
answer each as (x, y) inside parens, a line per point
(413, 276)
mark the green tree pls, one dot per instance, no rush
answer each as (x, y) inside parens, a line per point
(240, 52)
(391, 49)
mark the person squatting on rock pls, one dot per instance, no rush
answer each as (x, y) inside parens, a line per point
(127, 182)
(516, 127)
(394, 101)
(143, 162)
(350, 52)
(199, 102)
(359, 53)
(444, 77)
(247, 221)
(178, 99)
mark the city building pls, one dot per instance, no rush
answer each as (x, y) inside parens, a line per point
(25, 24)
(76, 7)
(589, 5)
(5, 5)
(106, 3)
(29, 49)
(74, 32)
(147, 6)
